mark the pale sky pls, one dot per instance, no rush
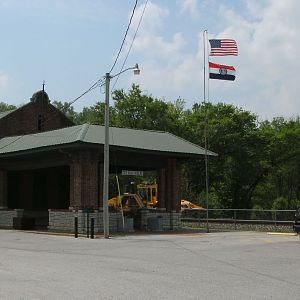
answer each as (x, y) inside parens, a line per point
(72, 43)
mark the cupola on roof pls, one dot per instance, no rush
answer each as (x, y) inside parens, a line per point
(40, 97)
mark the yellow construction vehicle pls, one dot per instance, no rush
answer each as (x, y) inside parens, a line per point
(145, 197)
(148, 193)
(185, 204)
(190, 210)
(127, 202)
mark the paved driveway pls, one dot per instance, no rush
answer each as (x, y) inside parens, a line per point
(235, 265)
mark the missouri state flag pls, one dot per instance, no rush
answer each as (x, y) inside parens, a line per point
(222, 72)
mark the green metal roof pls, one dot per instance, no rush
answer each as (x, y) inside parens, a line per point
(93, 134)
(5, 113)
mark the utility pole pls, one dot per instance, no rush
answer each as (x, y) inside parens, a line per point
(106, 160)
(108, 77)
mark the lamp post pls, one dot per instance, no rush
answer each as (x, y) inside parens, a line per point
(108, 77)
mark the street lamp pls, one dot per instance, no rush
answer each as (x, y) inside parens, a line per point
(108, 77)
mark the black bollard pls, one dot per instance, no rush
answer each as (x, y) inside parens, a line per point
(92, 227)
(76, 227)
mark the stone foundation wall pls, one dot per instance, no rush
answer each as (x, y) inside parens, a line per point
(41, 217)
(6, 218)
(65, 220)
(61, 220)
(170, 220)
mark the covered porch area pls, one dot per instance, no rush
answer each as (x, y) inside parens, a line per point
(53, 177)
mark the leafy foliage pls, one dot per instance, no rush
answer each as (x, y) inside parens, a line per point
(65, 108)
(6, 107)
(135, 110)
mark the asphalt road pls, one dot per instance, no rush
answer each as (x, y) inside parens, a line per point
(232, 265)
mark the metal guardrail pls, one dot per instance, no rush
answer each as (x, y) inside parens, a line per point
(240, 216)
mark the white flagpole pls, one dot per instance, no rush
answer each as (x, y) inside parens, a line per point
(206, 93)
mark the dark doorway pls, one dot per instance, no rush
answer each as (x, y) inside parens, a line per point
(39, 189)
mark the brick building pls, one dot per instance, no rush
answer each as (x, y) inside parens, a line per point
(51, 170)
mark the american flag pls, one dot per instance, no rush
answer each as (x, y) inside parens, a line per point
(223, 47)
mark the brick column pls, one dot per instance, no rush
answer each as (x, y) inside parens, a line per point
(75, 183)
(84, 181)
(161, 188)
(72, 184)
(3, 189)
(176, 205)
(173, 185)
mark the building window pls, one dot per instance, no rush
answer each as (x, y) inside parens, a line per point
(41, 120)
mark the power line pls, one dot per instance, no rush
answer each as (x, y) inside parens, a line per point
(100, 82)
(94, 86)
(135, 34)
(132, 14)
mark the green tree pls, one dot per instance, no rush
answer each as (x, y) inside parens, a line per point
(66, 109)
(95, 115)
(283, 180)
(241, 163)
(6, 107)
(137, 110)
